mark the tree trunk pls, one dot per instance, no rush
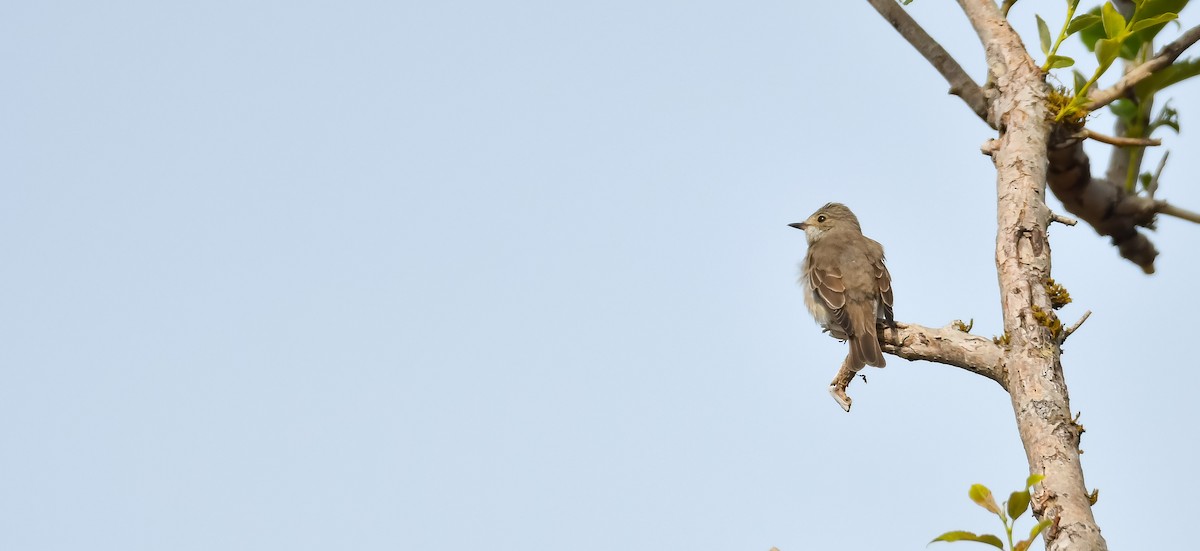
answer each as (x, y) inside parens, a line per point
(1033, 372)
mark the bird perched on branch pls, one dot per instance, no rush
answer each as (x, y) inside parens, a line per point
(847, 287)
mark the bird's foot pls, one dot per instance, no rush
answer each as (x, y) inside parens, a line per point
(839, 395)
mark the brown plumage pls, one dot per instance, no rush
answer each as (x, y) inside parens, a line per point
(848, 286)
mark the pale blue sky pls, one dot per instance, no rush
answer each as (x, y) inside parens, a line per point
(517, 276)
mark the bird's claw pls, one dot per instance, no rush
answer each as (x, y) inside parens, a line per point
(839, 395)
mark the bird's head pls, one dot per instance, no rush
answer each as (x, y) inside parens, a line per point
(833, 216)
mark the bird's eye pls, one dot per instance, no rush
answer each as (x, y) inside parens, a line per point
(821, 218)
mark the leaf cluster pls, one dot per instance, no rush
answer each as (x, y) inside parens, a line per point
(1014, 507)
(1109, 36)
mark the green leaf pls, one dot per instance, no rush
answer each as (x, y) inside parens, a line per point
(1023, 545)
(1114, 22)
(1043, 34)
(1089, 35)
(1080, 82)
(1130, 44)
(982, 496)
(1150, 17)
(1018, 503)
(1082, 22)
(1035, 478)
(1176, 72)
(1059, 61)
(1151, 8)
(1124, 109)
(1179, 71)
(1167, 117)
(1145, 179)
(990, 540)
(1037, 528)
(1106, 52)
(960, 535)
(1152, 21)
(955, 535)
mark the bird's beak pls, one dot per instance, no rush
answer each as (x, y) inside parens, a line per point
(798, 225)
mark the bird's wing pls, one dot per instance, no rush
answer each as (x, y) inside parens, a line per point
(827, 286)
(884, 281)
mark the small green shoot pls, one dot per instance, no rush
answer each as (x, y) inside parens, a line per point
(1014, 507)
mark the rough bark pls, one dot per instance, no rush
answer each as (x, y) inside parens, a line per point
(1033, 372)
(946, 345)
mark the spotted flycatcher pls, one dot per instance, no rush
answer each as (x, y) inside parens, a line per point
(847, 287)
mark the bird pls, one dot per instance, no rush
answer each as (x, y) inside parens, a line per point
(847, 286)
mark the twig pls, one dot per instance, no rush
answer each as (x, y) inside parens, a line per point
(1073, 328)
(1065, 220)
(1165, 57)
(1153, 185)
(1119, 141)
(961, 84)
(1172, 210)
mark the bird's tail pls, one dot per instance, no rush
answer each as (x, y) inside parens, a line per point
(864, 343)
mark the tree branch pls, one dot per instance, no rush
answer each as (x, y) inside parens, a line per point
(1172, 210)
(1165, 57)
(1108, 204)
(1152, 187)
(1145, 208)
(961, 84)
(1105, 206)
(1070, 330)
(947, 345)
(1064, 220)
(1119, 141)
